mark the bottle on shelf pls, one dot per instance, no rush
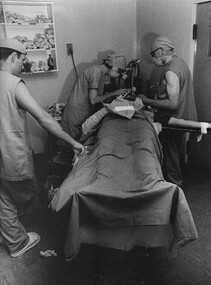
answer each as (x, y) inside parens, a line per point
(50, 62)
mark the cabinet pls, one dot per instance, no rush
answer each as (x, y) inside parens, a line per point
(33, 24)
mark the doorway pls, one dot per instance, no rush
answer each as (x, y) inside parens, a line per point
(201, 152)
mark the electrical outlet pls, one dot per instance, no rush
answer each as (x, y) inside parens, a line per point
(69, 49)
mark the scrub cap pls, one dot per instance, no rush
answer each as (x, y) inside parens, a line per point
(162, 42)
(118, 61)
(13, 44)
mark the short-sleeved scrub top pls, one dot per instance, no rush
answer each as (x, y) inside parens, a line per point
(79, 108)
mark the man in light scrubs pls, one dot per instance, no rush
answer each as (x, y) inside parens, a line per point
(174, 98)
(18, 186)
(88, 93)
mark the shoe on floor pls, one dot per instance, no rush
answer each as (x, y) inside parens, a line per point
(34, 239)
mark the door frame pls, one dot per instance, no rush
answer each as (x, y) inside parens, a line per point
(193, 45)
(193, 49)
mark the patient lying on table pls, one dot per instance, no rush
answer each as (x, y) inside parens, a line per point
(116, 194)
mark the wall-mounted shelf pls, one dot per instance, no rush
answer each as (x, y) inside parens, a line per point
(33, 24)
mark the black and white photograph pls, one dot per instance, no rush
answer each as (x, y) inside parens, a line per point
(105, 135)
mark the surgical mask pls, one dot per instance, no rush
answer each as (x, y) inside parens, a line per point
(158, 60)
(114, 72)
(163, 59)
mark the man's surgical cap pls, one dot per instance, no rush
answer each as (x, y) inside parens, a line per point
(162, 42)
(13, 44)
(118, 61)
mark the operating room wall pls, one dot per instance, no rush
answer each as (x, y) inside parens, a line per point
(95, 28)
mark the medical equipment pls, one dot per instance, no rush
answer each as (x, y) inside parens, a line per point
(56, 110)
(132, 76)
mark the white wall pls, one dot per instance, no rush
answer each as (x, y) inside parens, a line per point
(94, 27)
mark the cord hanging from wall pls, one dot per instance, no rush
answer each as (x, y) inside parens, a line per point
(70, 52)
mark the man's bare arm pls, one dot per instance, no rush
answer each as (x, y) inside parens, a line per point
(172, 92)
(94, 99)
(28, 103)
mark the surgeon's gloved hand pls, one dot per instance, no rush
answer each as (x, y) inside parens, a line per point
(157, 127)
(144, 99)
(119, 92)
(114, 94)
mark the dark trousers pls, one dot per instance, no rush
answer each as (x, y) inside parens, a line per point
(15, 197)
(171, 142)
